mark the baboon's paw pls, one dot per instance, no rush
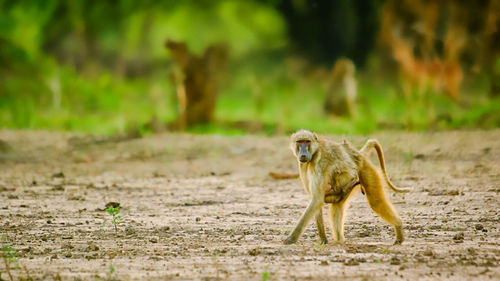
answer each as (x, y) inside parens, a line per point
(289, 240)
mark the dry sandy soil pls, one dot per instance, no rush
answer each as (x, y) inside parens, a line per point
(204, 208)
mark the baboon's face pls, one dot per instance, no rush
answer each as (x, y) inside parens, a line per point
(304, 145)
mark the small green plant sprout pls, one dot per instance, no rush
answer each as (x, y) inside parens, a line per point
(115, 213)
(319, 246)
(9, 258)
(265, 276)
(408, 157)
(111, 270)
(215, 254)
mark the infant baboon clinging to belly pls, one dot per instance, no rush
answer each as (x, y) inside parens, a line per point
(330, 172)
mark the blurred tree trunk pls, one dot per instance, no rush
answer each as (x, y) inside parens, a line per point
(195, 79)
(491, 47)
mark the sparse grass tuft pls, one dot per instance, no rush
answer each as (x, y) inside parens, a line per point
(111, 270)
(8, 254)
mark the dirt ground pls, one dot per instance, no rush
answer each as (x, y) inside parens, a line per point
(204, 208)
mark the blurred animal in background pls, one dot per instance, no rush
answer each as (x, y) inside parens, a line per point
(341, 96)
(196, 81)
(420, 75)
(435, 42)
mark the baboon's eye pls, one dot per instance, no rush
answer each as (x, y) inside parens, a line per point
(303, 142)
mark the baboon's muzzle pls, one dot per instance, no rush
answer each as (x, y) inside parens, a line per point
(304, 155)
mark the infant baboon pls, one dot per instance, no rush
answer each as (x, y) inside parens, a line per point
(324, 164)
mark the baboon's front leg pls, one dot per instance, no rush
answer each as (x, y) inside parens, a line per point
(311, 210)
(321, 227)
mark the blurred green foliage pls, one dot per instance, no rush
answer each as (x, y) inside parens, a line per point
(101, 67)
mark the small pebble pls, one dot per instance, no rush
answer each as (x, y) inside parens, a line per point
(459, 237)
(428, 253)
(395, 260)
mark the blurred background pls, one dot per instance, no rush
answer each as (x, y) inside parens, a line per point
(254, 66)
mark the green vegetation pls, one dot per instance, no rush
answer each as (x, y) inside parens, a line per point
(94, 67)
(8, 255)
(319, 246)
(265, 276)
(116, 217)
(111, 270)
(104, 105)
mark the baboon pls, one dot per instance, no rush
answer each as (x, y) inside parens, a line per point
(341, 97)
(338, 166)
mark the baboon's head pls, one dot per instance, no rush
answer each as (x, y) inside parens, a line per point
(304, 144)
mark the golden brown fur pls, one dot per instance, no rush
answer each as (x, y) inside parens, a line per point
(323, 163)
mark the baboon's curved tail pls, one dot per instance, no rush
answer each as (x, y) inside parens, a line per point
(372, 143)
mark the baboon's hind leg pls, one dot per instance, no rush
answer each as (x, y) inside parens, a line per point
(377, 198)
(336, 217)
(321, 227)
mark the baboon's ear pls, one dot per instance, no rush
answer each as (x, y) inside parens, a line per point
(315, 137)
